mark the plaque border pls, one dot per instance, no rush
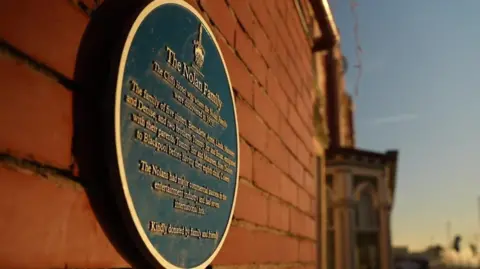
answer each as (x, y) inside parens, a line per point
(140, 231)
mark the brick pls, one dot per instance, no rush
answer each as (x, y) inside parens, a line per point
(307, 69)
(246, 159)
(278, 248)
(308, 97)
(313, 163)
(293, 70)
(266, 108)
(288, 190)
(250, 56)
(303, 266)
(307, 251)
(278, 214)
(310, 228)
(261, 13)
(65, 232)
(301, 224)
(304, 40)
(295, 169)
(277, 152)
(252, 128)
(244, 246)
(290, 6)
(297, 221)
(293, 28)
(295, 120)
(305, 111)
(276, 94)
(310, 184)
(265, 252)
(308, 66)
(264, 46)
(297, 32)
(282, 7)
(307, 90)
(270, 29)
(37, 115)
(49, 33)
(193, 3)
(275, 248)
(244, 14)
(286, 83)
(304, 201)
(239, 247)
(284, 40)
(286, 249)
(241, 80)
(305, 63)
(303, 155)
(288, 136)
(299, 127)
(294, 73)
(282, 31)
(305, 96)
(221, 16)
(251, 204)
(282, 54)
(271, 7)
(265, 175)
(313, 207)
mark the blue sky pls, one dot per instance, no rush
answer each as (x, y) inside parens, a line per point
(420, 93)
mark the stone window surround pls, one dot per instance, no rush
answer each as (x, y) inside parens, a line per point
(382, 204)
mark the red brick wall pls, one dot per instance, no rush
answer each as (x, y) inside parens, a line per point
(46, 218)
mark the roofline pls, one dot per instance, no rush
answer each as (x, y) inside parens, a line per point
(388, 156)
(330, 36)
(387, 159)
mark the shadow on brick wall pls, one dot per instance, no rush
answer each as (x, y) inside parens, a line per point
(95, 75)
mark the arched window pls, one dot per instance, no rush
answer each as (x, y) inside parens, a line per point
(366, 215)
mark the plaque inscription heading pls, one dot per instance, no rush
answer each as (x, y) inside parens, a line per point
(176, 136)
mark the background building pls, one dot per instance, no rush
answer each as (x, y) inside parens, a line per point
(358, 188)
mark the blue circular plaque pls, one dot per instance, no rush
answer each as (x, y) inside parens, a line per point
(176, 136)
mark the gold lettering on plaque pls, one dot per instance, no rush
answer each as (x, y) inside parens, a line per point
(177, 136)
(131, 100)
(135, 88)
(140, 120)
(146, 109)
(150, 126)
(158, 228)
(160, 187)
